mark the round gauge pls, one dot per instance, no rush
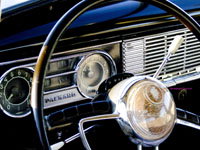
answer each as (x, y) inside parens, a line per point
(15, 87)
(92, 71)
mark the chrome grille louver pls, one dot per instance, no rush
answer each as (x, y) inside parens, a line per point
(142, 56)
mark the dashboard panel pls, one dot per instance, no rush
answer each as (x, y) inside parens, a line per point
(93, 50)
(69, 78)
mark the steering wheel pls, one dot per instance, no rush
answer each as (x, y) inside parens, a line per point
(130, 105)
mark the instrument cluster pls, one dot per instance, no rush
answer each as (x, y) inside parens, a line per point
(69, 79)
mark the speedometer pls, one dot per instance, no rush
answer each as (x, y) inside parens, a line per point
(92, 71)
(15, 92)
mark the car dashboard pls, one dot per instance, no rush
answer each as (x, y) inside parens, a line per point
(129, 37)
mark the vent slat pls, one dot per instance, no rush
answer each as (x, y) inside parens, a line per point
(150, 55)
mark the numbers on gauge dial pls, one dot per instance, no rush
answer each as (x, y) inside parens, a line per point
(15, 87)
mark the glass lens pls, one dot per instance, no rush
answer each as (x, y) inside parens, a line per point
(92, 72)
(151, 109)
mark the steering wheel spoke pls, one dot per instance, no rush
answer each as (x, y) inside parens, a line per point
(93, 118)
(188, 119)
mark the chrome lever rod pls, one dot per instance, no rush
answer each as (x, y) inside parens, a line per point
(176, 43)
(60, 144)
(162, 65)
(89, 119)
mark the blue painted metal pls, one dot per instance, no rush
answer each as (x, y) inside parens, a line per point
(118, 11)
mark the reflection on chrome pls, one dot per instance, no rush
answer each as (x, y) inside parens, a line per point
(147, 110)
(187, 123)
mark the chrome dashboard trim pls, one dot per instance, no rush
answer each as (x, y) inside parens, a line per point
(84, 49)
(182, 79)
(56, 94)
(60, 74)
(83, 53)
(60, 89)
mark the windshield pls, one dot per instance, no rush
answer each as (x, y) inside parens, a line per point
(10, 3)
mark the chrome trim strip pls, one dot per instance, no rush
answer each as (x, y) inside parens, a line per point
(60, 89)
(88, 48)
(17, 61)
(57, 127)
(24, 46)
(60, 74)
(182, 79)
(91, 48)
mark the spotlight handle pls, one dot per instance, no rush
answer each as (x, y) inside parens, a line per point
(176, 43)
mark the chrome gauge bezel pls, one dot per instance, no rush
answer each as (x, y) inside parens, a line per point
(106, 57)
(21, 109)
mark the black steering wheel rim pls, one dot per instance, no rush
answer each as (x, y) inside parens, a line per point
(57, 32)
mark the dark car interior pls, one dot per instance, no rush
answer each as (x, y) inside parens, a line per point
(108, 44)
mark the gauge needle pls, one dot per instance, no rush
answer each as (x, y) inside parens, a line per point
(11, 95)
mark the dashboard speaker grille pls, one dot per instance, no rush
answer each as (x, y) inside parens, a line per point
(142, 56)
